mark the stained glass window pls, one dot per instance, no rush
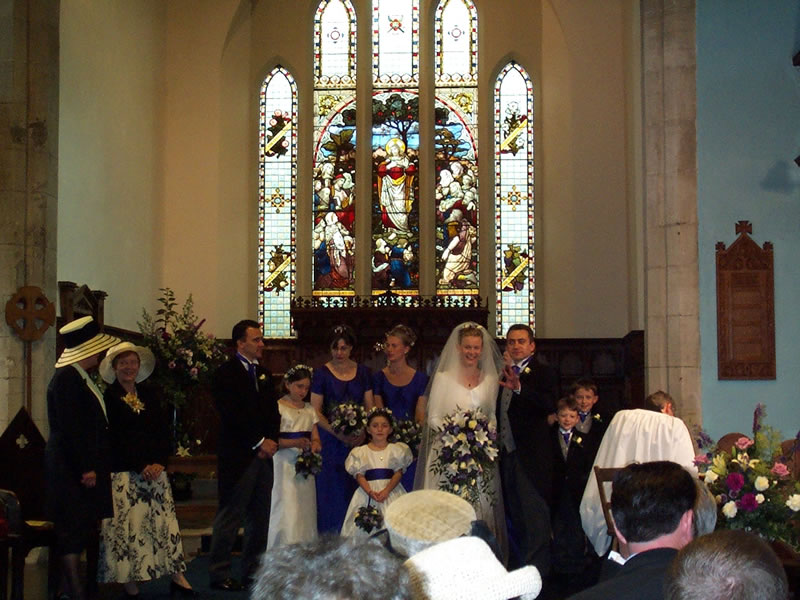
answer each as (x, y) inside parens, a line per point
(277, 201)
(334, 150)
(514, 255)
(395, 43)
(456, 149)
(395, 147)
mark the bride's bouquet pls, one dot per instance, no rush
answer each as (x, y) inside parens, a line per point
(348, 419)
(467, 449)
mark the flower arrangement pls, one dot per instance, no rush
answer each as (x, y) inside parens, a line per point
(368, 518)
(407, 431)
(348, 419)
(308, 463)
(467, 449)
(752, 484)
(185, 357)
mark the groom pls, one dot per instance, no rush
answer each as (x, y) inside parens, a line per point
(527, 397)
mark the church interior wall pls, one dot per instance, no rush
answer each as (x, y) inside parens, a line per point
(183, 150)
(111, 159)
(748, 99)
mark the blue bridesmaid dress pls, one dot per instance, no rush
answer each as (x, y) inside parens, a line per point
(335, 486)
(402, 401)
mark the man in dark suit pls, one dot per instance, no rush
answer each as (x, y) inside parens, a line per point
(78, 450)
(249, 428)
(652, 505)
(526, 466)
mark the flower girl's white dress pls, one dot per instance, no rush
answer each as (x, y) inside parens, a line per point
(381, 465)
(293, 512)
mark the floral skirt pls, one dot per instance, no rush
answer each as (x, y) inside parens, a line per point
(142, 540)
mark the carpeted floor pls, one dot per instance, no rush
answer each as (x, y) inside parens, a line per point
(196, 573)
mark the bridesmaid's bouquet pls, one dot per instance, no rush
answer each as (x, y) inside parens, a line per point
(348, 419)
(408, 432)
(467, 449)
(368, 518)
(308, 463)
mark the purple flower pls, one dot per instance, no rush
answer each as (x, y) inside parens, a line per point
(704, 440)
(758, 413)
(735, 482)
(747, 503)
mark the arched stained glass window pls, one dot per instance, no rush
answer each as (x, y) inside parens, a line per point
(395, 147)
(334, 150)
(514, 250)
(277, 201)
(456, 149)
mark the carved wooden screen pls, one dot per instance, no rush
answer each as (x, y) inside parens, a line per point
(745, 308)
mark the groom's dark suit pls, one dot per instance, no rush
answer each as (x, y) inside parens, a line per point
(527, 472)
(248, 413)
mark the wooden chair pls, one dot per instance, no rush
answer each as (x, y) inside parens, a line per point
(21, 499)
(727, 441)
(790, 451)
(603, 476)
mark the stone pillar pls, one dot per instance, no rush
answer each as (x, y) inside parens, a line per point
(29, 50)
(670, 148)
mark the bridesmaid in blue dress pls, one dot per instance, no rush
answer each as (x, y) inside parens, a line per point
(340, 380)
(399, 387)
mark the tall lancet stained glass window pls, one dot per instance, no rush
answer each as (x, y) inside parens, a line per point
(456, 149)
(334, 193)
(395, 147)
(277, 173)
(513, 125)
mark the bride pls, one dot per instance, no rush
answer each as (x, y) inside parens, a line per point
(466, 377)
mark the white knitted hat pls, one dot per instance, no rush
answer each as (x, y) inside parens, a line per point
(466, 569)
(422, 518)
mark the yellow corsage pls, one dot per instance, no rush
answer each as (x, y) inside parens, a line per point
(578, 440)
(597, 417)
(132, 400)
(262, 377)
(527, 370)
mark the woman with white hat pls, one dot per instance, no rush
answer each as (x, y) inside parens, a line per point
(142, 541)
(78, 483)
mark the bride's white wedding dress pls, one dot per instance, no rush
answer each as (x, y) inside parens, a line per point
(448, 395)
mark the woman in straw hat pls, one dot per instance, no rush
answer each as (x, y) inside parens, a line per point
(78, 449)
(142, 541)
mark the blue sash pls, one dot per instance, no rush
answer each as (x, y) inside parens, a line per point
(373, 474)
(293, 435)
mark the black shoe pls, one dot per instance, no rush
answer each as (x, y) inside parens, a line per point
(227, 585)
(176, 590)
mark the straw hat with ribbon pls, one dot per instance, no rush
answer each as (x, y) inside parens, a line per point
(147, 362)
(82, 339)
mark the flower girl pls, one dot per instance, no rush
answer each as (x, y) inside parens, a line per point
(293, 513)
(377, 467)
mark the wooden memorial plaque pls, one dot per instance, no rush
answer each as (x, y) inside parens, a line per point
(745, 308)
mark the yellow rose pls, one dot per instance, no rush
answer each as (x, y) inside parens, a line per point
(761, 483)
(472, 424)
(729, 510)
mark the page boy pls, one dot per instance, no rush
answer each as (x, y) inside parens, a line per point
(590, 422)
(572, 555)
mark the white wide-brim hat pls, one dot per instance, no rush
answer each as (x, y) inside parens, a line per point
(147, 362)
(466, 569)
(82, 339)
(422, 518)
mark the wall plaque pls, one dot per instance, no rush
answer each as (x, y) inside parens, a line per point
(745, 308)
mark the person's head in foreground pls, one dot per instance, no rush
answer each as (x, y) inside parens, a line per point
(465, 568)
(331, 568)
(652, 505)
(726, 565)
